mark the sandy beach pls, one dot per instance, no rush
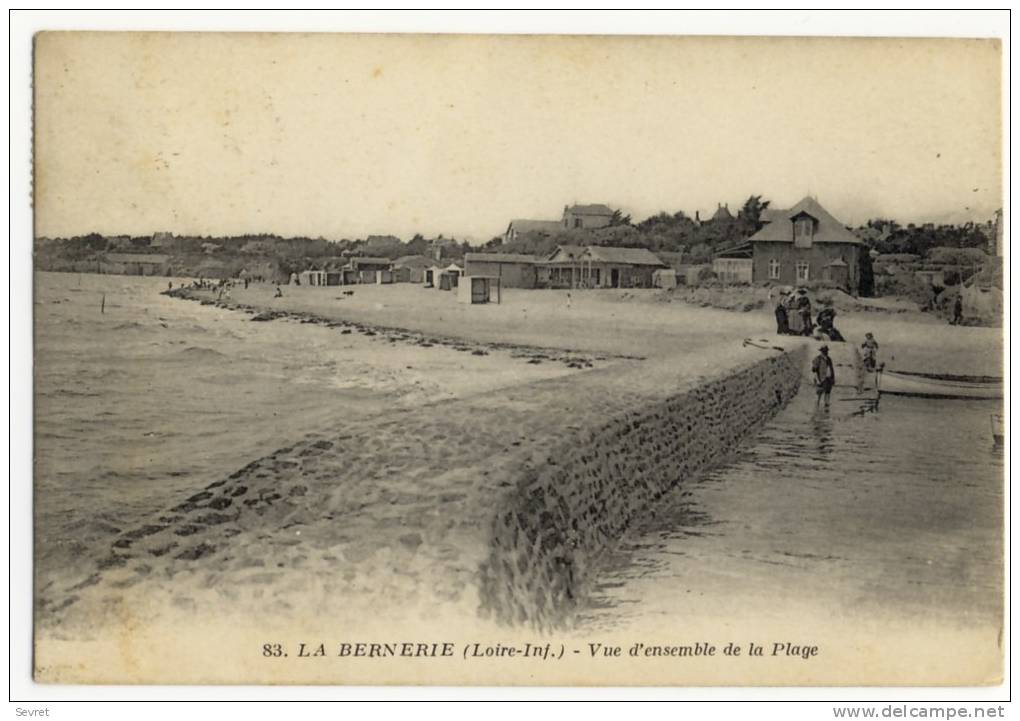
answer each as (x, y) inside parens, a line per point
(633, 322)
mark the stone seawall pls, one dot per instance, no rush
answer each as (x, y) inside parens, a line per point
(549, 533)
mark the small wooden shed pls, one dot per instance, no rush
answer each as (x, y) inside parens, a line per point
(443, 277)
(479, 289)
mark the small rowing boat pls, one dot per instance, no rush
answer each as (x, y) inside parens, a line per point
(931, 385)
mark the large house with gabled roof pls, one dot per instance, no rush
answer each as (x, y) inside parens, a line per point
(596, 215)
(575, 217)
(806, 244)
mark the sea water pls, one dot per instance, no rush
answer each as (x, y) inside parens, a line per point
(141, 397)
(860, 513)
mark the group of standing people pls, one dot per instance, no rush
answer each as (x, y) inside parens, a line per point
(793, 316)
(793, 313)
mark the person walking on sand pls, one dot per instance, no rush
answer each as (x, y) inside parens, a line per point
(870, 348)
(823, 374)
(957, 310)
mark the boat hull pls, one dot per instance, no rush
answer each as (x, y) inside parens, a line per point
(901, 384)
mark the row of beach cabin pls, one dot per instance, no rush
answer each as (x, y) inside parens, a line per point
(568, 267)
(361, 270)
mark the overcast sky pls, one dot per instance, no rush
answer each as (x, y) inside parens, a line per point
(344, 136)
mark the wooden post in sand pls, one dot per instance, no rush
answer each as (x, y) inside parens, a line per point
(102, 304)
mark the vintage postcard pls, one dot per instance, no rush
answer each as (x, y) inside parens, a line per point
(518, 360)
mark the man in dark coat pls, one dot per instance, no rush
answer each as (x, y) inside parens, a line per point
(824, 375)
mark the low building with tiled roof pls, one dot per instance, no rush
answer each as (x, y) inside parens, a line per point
(411, 268)
(514, 270)
(623, 256)
(598, 266)
(806, 244)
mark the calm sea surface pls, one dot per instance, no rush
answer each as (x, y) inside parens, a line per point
(156, 396)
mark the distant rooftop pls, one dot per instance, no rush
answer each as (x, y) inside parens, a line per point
(413, 261)
(499, 258)
(629, 256)
(722, 213)
(369, 260)
(592, 209)
(524, 225)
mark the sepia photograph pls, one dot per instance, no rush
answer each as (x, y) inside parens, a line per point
(518, 360)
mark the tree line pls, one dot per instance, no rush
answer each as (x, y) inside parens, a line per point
(699, 240)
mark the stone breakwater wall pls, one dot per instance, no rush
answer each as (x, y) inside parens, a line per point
(548, 534)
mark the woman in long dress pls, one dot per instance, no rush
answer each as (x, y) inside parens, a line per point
(804, 311)
(794, 318)
(782, 317)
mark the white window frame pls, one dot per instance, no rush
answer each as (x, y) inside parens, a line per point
(775, 267)
(803, 270)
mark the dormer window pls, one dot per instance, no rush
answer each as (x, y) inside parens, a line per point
(803, 230)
